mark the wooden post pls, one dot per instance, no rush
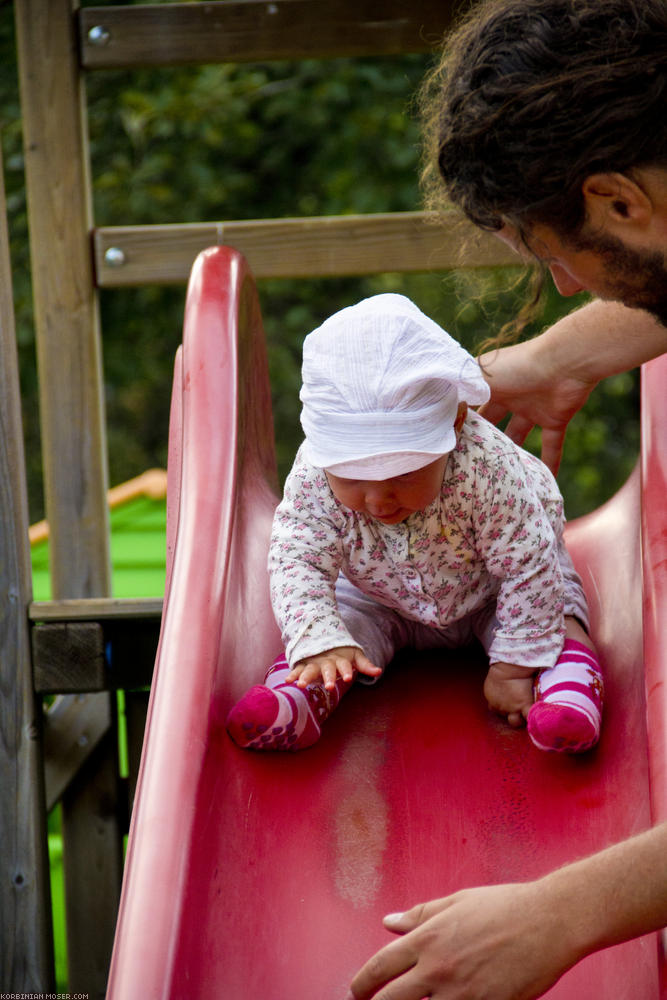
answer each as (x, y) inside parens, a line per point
(66, 307)
(26, 952)
(73, 434)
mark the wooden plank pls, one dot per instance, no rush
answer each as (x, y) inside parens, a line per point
(66, 308)
(85, 656)
(243, 30)
(93, 868)
(76, 725)
(26, 950)
(95, 609)
(69, 658)
(71, 410)
(298, 248)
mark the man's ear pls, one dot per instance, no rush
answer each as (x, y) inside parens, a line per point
(615, 202)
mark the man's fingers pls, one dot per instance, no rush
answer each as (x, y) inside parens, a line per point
(391, 962)
(402, 923)
(494, 412)
(519, 428)
(552, 448)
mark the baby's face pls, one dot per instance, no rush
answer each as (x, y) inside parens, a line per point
(391, 500)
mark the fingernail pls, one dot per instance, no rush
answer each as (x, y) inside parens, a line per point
(393, 917)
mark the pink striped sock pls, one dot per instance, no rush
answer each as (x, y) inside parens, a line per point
(567, 712)
(279, 715)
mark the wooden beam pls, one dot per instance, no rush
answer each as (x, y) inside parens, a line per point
(72, 415)
(83, 656)
(26, 949)
(95, 609)
(70, 738)
(66, 308)
(323, 246)
(68, 658)
(93, 880)
(257, 30)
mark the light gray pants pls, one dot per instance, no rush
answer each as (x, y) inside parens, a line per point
(381, 632)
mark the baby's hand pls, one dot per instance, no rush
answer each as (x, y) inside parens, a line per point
(328, 666)
(508, 690)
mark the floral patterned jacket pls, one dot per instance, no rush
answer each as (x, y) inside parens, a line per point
(492, 533)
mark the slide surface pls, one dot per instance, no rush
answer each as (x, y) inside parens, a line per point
(266, 875)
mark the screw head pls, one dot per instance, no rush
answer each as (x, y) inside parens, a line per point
(114, 257)
(99, 35)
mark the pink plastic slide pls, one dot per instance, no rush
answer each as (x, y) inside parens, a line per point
(266, 875)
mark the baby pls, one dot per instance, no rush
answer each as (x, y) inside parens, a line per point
(409, 521)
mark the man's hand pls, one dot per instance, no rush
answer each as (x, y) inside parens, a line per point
(491, 943)
(534, 394)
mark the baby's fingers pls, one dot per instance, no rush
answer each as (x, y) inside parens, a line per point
(366, 666)
(304, 674)
(328, 667)
(336, 666)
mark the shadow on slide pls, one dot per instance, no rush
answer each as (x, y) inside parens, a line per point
(266, 875)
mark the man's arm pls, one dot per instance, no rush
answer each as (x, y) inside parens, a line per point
(546, 380)
(513, 942)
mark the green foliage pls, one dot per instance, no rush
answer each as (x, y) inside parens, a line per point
(224, 142)
(237, 142)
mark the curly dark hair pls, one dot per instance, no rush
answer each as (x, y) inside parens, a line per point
(532, 96)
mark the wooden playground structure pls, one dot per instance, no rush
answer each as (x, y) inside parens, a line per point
(69, 755)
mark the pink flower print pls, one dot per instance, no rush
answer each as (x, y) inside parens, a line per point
(596, 683)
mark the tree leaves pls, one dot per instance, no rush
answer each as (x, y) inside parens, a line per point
(209, 143)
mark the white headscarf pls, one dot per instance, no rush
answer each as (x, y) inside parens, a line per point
(381, 387)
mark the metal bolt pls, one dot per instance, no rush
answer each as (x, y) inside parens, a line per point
(99, 35)
(114, 257)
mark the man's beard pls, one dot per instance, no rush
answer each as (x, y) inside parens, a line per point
(637, 278)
